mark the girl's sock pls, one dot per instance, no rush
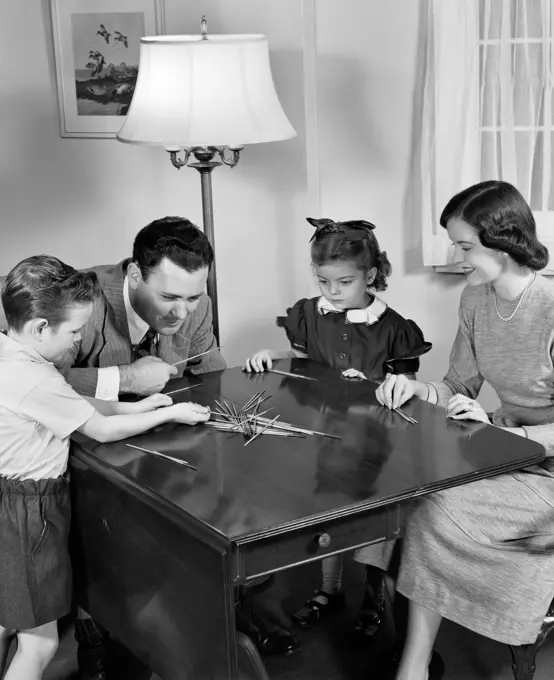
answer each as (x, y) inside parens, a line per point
(375, 585)
(331, 574)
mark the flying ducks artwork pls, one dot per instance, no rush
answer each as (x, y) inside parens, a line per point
(106, 56)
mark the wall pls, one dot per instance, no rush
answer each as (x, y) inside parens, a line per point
(369, 73)
(85, 199)
(347, 74)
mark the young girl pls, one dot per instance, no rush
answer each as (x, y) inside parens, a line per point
(349, 328)
(46, 303)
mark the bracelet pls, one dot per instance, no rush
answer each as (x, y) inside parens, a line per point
(525, 432)
(428, 391)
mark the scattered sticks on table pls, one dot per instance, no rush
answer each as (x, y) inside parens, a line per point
(196, 356)
(251, 422)
(289, 374)
(182, 389)
(164, 455)
(404, 415)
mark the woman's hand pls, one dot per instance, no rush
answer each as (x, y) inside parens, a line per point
(395, 390)
(153, 402)
(461, 407)
(259, 362)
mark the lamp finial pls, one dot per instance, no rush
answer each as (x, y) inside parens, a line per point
(204, 28)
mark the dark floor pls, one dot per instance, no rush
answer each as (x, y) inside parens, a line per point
(326, 653)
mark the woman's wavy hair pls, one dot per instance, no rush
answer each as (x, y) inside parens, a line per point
(502, 219)
(351, 240)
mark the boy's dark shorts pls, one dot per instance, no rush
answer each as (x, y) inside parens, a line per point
(35, 569)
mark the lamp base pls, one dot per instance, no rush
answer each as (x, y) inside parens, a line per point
(205, 154)
(205, 164)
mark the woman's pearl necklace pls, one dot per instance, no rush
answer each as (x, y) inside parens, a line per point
(509, 318)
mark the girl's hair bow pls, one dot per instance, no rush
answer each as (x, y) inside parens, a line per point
(354, 230)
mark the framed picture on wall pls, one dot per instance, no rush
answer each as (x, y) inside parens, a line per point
(96, 49)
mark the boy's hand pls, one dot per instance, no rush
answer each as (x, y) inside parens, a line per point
(153, 402)
(189, 413)
(259, 362)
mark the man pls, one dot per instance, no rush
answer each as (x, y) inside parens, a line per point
(153, 314)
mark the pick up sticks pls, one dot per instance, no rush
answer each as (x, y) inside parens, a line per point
(251, 422)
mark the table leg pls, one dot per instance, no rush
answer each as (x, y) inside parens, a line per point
(157, 588)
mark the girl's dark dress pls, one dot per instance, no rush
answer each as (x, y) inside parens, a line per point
(333, 340)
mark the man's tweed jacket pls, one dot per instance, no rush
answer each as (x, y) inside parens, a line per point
(106, 342)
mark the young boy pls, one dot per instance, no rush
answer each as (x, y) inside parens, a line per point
(46, 303)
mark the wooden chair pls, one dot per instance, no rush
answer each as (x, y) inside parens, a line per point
(523, 656)
(251, 666)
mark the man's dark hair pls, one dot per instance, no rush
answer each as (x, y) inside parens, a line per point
(176, 238)
(43, 287)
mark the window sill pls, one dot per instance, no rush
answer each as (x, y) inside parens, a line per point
(455, 269)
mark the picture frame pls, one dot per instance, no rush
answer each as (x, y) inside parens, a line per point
(96, 51)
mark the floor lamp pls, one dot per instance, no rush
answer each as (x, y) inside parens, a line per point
(203, 98)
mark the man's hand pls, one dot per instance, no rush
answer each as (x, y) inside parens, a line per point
(145, 376)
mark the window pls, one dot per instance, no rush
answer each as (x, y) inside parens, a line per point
(508, 127)
(515, 64)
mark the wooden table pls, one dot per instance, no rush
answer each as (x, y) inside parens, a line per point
(159, 547)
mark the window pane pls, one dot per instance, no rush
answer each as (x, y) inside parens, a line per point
(494, 17)
(551, 182)
(490, 155)
(525, 78)
(526, 18)
(528, 83)
(516, 158)
(491, 86)
(530, 155)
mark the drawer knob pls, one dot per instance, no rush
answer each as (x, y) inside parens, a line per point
(323, 540)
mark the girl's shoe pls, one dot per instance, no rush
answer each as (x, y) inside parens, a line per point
(371, 612)
(320, 604)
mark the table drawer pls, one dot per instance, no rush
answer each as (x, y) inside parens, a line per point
(307, 543)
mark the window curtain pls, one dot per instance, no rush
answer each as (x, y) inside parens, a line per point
(487, 108)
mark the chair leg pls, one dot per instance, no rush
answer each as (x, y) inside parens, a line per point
(523, 656)
(523, 661)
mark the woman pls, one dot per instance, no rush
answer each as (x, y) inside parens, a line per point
(456, 560)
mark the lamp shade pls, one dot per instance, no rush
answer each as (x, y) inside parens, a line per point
(195, 92)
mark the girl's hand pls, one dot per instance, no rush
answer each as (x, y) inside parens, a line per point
(153, 402)
(353, 374)
(189, 413)
(461, 407)
(394, 391)
(259, 362)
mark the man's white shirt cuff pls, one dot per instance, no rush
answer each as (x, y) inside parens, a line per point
(107, 387)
